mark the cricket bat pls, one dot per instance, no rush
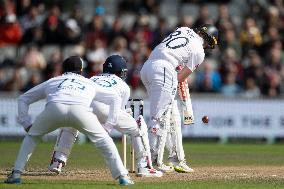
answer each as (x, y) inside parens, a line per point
(183, 92)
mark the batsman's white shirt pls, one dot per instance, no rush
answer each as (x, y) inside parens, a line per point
(182, 47)
(71, 89)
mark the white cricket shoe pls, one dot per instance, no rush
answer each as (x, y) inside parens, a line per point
(165, 168)
(148, 172)
(56, 166)
(181, 167)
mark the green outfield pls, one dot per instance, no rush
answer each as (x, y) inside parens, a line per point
(216, 166)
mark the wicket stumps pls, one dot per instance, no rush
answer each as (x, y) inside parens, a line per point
(131, 104)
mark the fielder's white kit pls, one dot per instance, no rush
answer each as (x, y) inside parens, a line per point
(126, 124)
(158, 74)
(68, 103)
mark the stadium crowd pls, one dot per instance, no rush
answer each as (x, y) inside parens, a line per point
(35, 37)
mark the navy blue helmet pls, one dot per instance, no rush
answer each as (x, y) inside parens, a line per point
(115, 64)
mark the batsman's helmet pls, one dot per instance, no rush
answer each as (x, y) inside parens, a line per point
(73, 64)
(209, 34)
(115, 64)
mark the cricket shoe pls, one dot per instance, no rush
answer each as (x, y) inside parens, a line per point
(181, 167)
(165, 168)
(56, 165)
(148, 172)
(14, 177)
(125, 180)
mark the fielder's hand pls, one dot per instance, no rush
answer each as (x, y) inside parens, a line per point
(108, 127)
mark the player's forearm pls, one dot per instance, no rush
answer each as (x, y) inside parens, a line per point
(184, 73)
(111, 99)
(114, 108)
(23, 108)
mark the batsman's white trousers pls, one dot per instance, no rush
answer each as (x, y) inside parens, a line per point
(160, 80)
(57, 115)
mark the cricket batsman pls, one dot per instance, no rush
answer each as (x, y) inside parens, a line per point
(185, 46)
(69, 98)
(112, 79)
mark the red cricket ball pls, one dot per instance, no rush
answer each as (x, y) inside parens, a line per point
(205, 119)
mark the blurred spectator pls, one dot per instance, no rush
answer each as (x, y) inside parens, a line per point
(77, 14)
(203, 17)
(254, 67)
(250, 35)
(53, 67)
(139, 7)
(269, 39)
(230, 64)
(251, 90)
(141, 31)
(35, 79)
(116, 31)
(53, 27)
(31, 20)
(230, 86)
(223, 17)
(120, 47)
(73, 33)
(23, 7)
(272, 18)
(34, 36)
(271, 86)
(208, 79)
(231, 41)
(10, 30)
(33, 59)
(96, 57)
(97, 29)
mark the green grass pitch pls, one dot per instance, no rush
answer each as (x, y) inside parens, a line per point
(217, 166)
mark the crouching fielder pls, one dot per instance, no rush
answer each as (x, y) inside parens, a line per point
(114, 69)
(68, 103)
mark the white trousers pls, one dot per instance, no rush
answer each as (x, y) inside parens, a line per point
(126, 124)
(160, 80)
(57, 115)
